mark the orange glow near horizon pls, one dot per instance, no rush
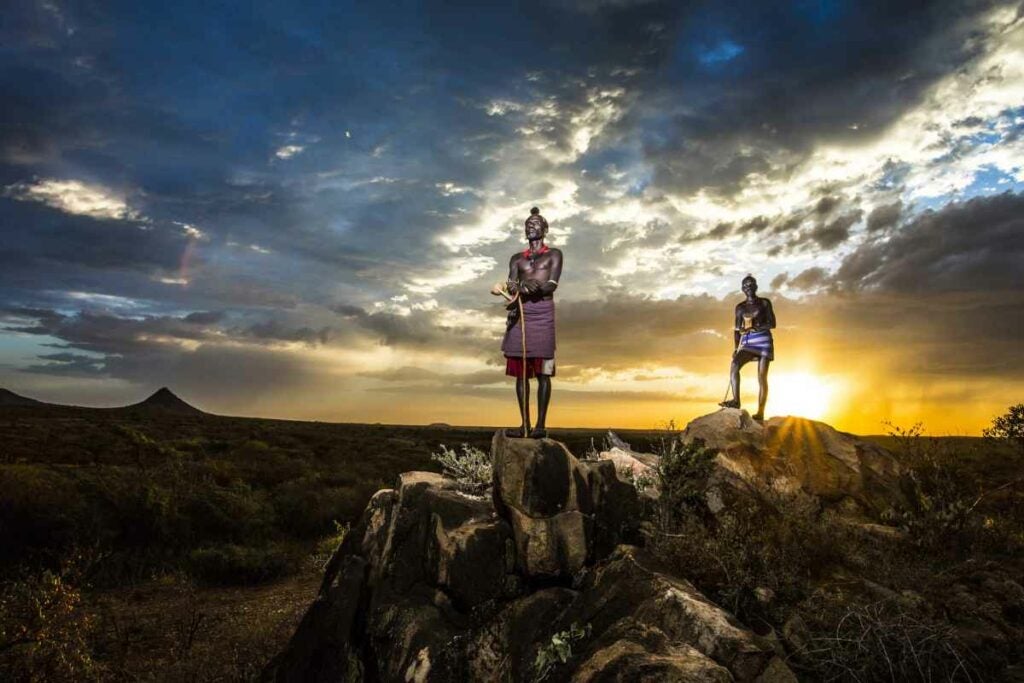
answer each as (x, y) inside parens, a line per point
(802, 394)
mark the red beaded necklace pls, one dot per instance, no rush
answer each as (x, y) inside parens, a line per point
(543, 250)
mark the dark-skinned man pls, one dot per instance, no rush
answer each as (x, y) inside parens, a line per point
(534, 274)
(752, 338)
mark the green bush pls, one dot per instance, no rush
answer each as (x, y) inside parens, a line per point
(234, 564)
(683, 470)
(944, 515)
(45, 629)
(305, 509)
(558, 650)
(470, 467)
(772, 543)
(41, 509)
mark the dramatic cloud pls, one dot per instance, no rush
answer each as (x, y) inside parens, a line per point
(73, 197)
(301, 211)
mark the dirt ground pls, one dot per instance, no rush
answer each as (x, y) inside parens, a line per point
(169, 630)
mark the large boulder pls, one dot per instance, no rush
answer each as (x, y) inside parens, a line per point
(792, 453)
(563, 512)
(397, 589)
(629, 588)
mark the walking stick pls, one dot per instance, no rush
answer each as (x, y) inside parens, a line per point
(526, 392)
(502, 289)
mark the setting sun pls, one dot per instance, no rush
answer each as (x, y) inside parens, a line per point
(802, 394)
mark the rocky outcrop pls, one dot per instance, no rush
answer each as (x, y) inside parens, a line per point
(792, 453)
(563, 512)
(640, 469)
(434, 584)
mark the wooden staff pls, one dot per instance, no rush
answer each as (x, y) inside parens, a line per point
(501, 289)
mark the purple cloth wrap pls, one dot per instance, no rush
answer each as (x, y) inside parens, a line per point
(540, 331)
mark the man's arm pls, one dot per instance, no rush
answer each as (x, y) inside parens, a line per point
(513, 274)
(737, 325)
(769, 314)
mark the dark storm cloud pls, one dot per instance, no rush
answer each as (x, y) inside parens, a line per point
(801, 77)
(833, 233)
(829, 226)
(884, 217)
(969, 246)
(44, 240)
(205, 317)
(811, 278)
(275, 330)
(418, 329)
(68, 365)
(104, 333)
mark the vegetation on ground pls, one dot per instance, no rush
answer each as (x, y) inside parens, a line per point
(185, 545)
(936, 598)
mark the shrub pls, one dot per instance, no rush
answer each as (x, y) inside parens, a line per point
(44, 628)
(772, 543)
(305, 509)
(882, 641)
(237, 564)
(943, 495)
(557, 651)
(328, 545)
(40, 510)
(470, 467)
(683, 471)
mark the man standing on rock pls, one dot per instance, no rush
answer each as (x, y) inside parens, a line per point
(533, 275)
(752, 338)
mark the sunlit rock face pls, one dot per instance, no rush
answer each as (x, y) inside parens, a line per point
(792, 453)
(433, 584)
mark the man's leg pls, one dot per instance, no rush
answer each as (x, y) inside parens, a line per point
(738, 361)
(762, 381)
(523, 395)
(543, 398)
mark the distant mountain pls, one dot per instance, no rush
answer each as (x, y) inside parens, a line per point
(165, 401)
(162, 402)
(9, 398)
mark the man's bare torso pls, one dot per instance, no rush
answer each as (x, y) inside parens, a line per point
(541, 269)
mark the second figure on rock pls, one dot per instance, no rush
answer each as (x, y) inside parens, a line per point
(752, 338)
(533, 275)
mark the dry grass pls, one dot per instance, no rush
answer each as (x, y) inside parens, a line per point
(171, 630)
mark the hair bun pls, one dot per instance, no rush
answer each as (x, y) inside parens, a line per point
(534, 211)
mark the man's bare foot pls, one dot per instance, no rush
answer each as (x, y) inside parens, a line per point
(539, 433)
(516, 432)
(758, 416)
(731, 403)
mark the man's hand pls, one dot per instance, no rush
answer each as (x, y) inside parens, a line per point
(531, 286)
(512, 286)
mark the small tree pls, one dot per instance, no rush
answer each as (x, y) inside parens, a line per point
(1008, 427)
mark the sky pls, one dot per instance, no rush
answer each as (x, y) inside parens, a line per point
(298, 210)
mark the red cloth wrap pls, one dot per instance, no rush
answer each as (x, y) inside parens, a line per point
(514, 366)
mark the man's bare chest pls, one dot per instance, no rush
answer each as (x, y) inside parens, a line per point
(534, 269)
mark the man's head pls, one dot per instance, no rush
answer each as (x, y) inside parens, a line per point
(749, 285)
(536, 226)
